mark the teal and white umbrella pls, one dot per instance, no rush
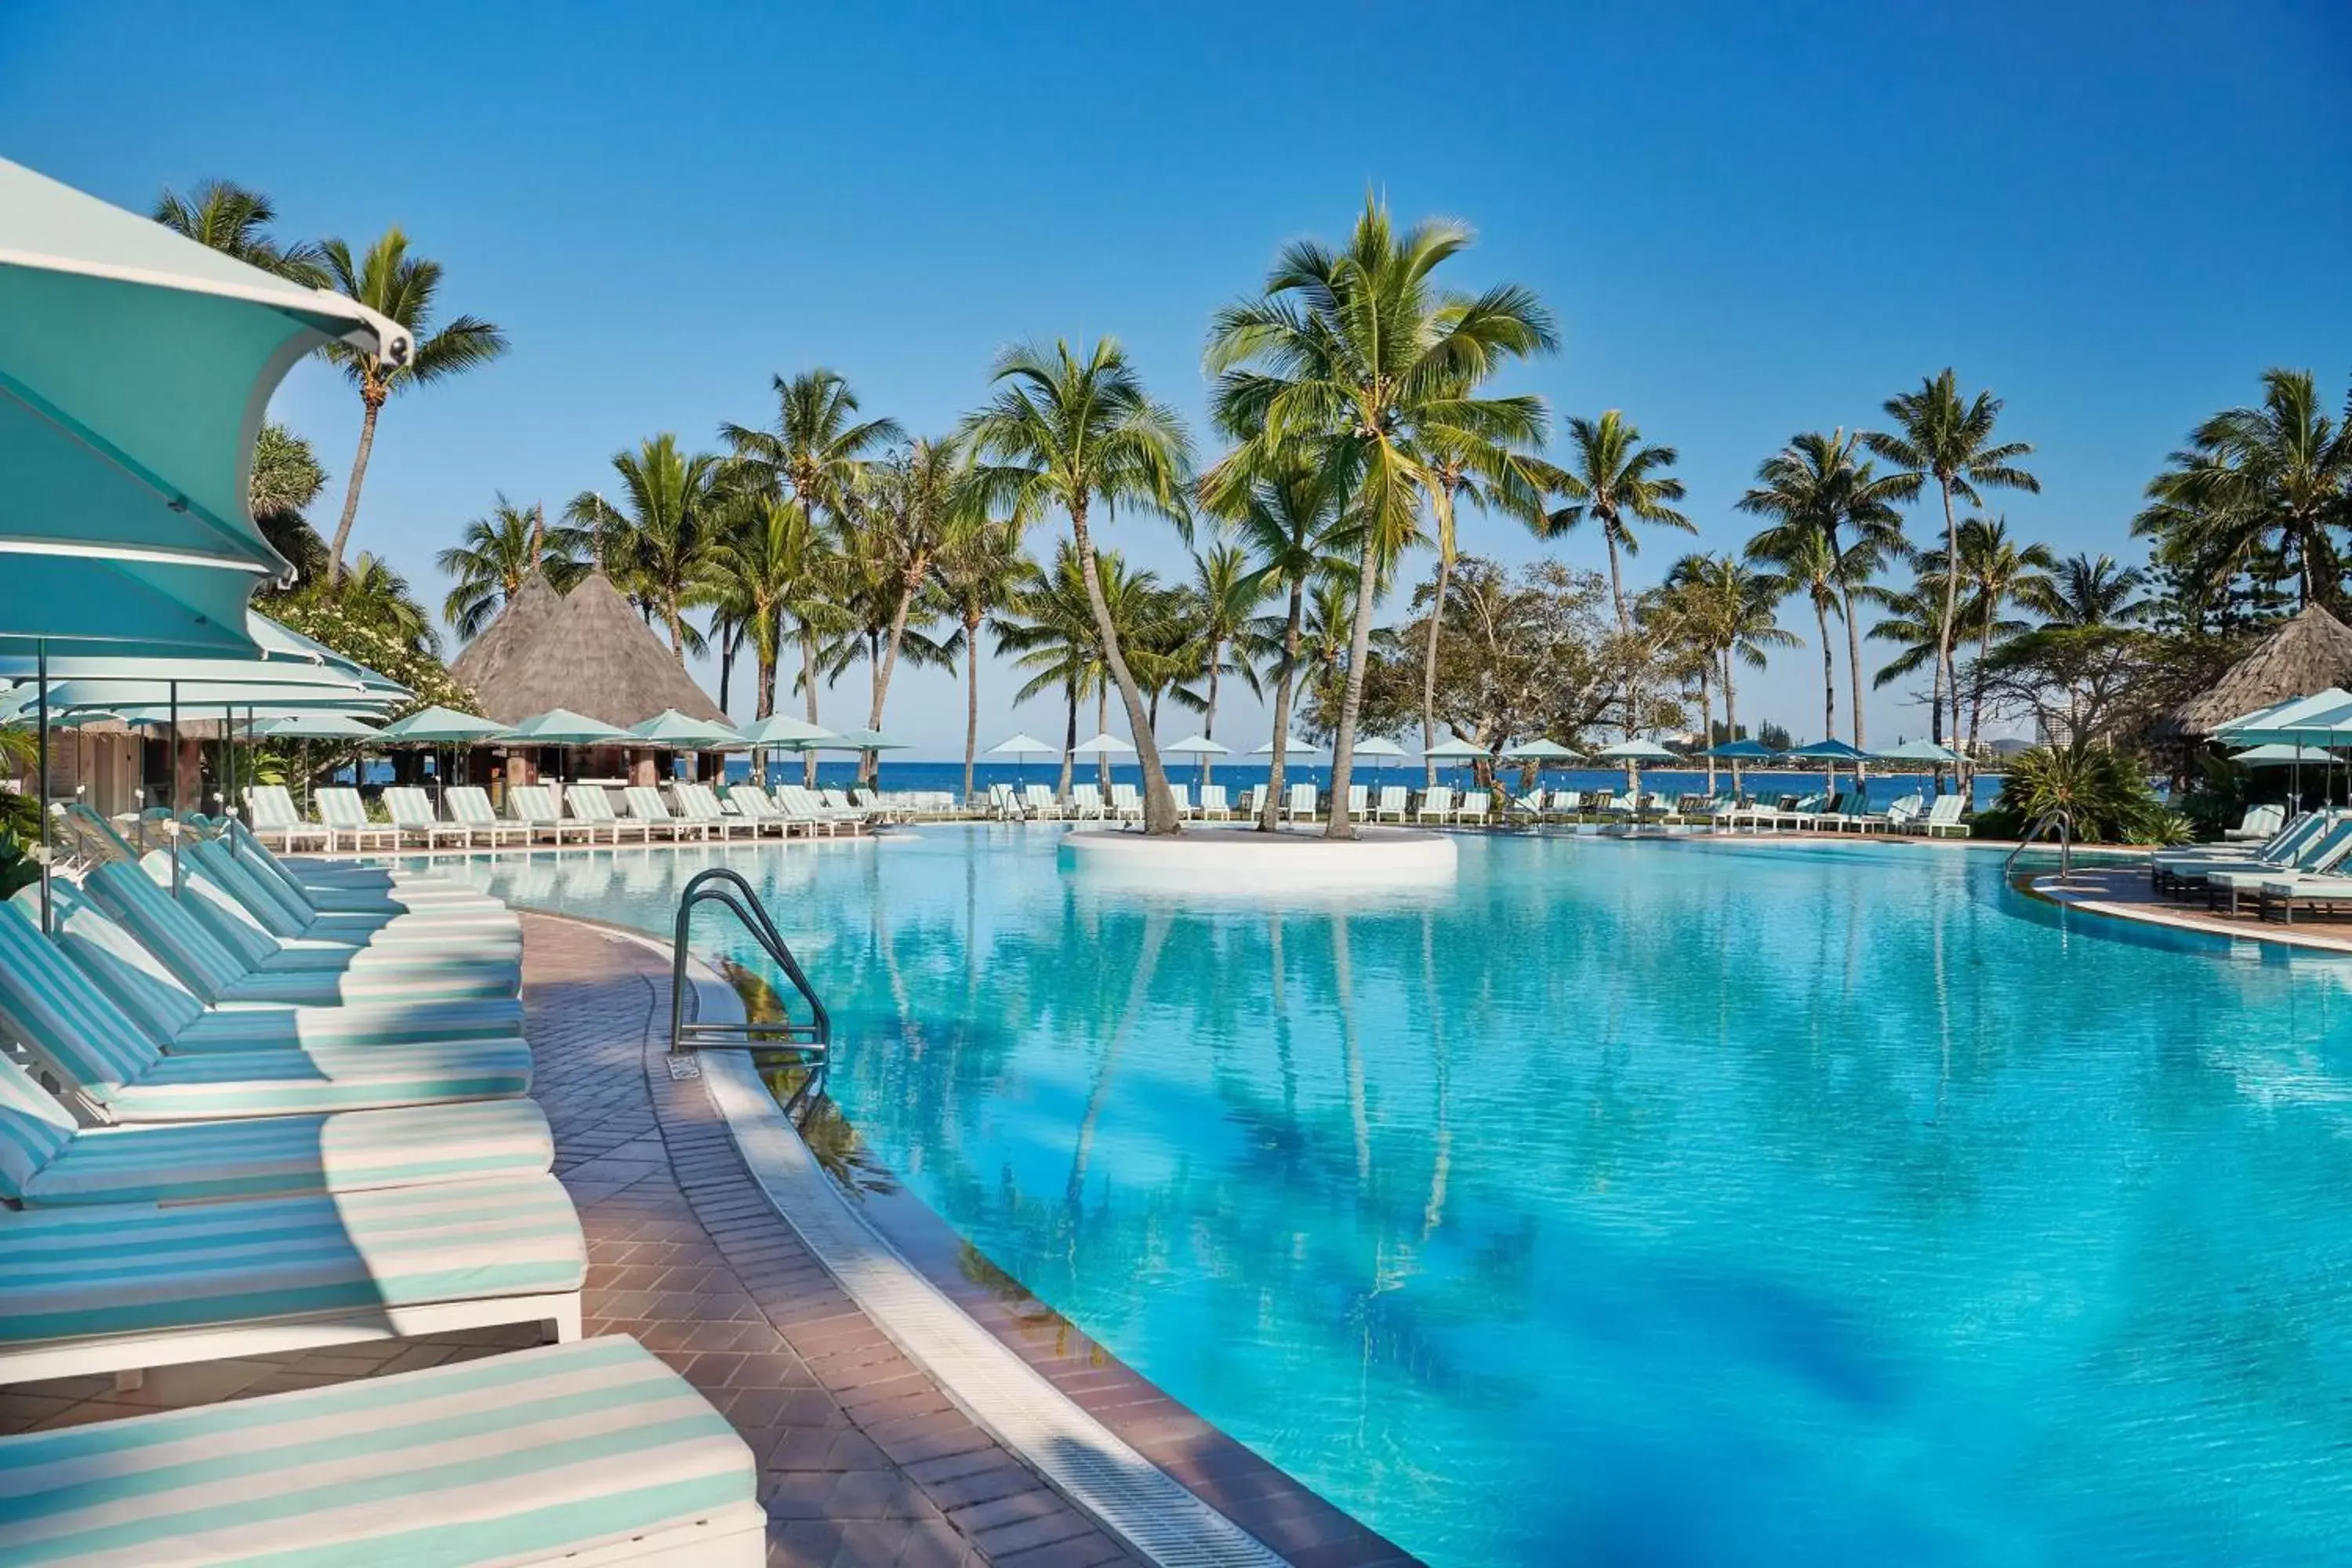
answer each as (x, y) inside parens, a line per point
(782, 733)
(2278, 755)
(681, 732)
(135, 367)
(1540, 751)
(1634, 751)
(1102, 746)
(1917, 752)
(1381, 748)
(442, 726)
(562, 727)
(862, 741)
(314, 727)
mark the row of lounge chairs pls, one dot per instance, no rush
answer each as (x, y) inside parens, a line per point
(1442, 804)
(288, 1107)
(2296, 868)
(536, 815)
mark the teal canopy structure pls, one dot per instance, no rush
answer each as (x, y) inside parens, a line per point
(1917, 752)
(1639, 749)
(672, 729)
(1379, 746)
(562, 727)
(780, 732)
(2278, 755)
(438, 726)
(1454, 750)
(314, 727)
(1538, 751)
(2319, 718)
(862, 741)
(135, 367)
(1832, 750)
(1743, 750)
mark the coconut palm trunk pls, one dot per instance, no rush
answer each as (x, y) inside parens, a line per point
(1429, 669)
(1069, 740)
(372, 398)
(1159, 804)
(1948, 677)
(1351, 697)
(868, 761)
(1854, 665)
(1731, 710)
(971, 700)
(808, 690)
(1209, 713)
(1829, 679)
(1706, 720)
(1270, 814)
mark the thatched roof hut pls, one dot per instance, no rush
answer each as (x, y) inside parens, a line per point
(2309, 653)
(586, 650)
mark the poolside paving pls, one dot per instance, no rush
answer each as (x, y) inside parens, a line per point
(862, 1459)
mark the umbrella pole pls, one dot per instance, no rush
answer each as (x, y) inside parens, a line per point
(41, 766)
(174, 836)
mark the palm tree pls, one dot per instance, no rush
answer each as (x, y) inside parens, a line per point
(1913, 622)
(1998, 573)
(2273, 478)
(374, 595)
(1738, 608)
(1072, 431)
(980, 574)
(1940, 436)
(497, 555)
(236, 222)
(757, 568)
(1616, 482)
(1051, 629)
(2087, 591)
(1818, 482)
(1225, 597)
(896, 523)
(392, 282)
(1464, 466)
(1809, 565)
(1359, 353)
(660, 535)
(819, 451)
(1288, 521)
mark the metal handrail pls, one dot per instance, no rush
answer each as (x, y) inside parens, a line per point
(811, 1042)
(2061, 817)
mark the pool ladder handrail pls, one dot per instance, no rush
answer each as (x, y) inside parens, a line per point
(810, 1041)
(2062, 819)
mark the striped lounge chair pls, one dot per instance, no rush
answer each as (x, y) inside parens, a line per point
(121, 1286)
(644, 804)
(48, 1161)
(177, 1019)
(412, 812)
(273, 814)
(77, 1032)
(248, 965)
(591, 1455)
(471, 810)
(534, 807)
(697, 803)
(344, 816)
(591, 805)
(337, 887)
(752, 805)
(470, 928)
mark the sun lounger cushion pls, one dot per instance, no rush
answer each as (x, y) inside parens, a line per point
(80, 1273)
(60, 1014)
(283, 1155)
(526, 1458)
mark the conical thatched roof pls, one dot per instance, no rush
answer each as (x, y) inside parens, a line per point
(2309, 653)
(586, 650)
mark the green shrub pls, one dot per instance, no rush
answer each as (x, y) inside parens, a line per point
(2107, 790)
(17, 867)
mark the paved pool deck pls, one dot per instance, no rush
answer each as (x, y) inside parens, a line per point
(862, 1459)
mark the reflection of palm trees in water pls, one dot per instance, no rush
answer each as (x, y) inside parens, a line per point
(1433, 1213)
(1155, 933)
(1351, 1049)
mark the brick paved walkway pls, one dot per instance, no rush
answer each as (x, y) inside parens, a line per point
(862, 1461)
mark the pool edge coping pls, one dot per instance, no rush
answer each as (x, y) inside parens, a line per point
(884, 1282)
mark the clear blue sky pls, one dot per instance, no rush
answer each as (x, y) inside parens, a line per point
(1751, 220)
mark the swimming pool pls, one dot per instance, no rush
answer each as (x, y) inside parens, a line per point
(1646, 1202)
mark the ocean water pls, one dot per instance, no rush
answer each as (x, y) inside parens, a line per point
(1665, 1202)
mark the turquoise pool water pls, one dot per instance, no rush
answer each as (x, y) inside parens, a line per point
(1659, 1203)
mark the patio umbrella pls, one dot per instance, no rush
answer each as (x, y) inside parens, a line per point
(127, 528)
(1917, 752)
(2278, 755)
(672, 729)
(1290, 745)
(1103, 748)
(780, 732)
(564, 729)
(1831, 752)
(1743, 750)
(436, 726)
(1454, 749)
(309, 727)
(1634, 752)
(1381, 748)
(1199, 747)
(1021, 746)
(862, 742)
